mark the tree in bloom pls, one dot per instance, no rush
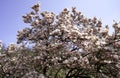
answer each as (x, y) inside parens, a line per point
(67, 45)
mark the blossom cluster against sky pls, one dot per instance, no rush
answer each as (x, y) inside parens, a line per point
(11, 12)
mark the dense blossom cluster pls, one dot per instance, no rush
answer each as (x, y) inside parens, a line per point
(68, 45)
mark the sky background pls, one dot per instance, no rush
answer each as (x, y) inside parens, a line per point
(11, 12)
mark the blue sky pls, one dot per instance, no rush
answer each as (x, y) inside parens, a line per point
(11, 12)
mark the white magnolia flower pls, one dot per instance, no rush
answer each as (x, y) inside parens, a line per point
(12, 47)
(55, 32)
(104, 30)
(65, 62)
(94, 38)
(100, 43)
(41, 76)
(118, 25)
(118, 34)
(74, 58)
(14, 59)
(37, 21)
(87, 37)
(63, 26)
(107, 61)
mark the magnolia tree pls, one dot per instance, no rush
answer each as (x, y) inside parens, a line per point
(67, 45)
